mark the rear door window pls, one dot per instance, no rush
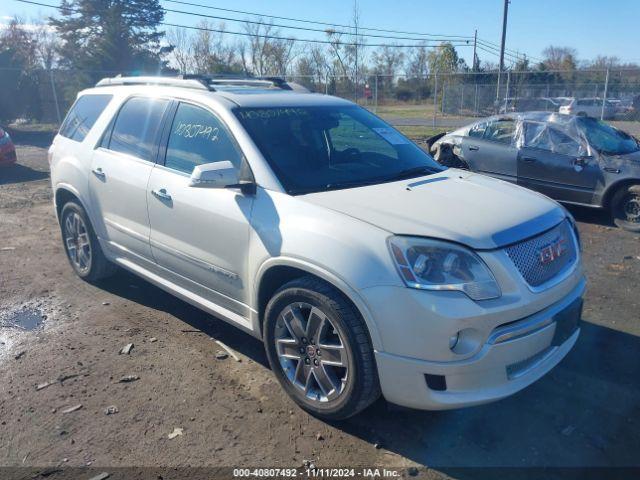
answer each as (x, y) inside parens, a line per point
(198, 137)
(544, 137)
(536, 136)
(137, 127)
(83, 114)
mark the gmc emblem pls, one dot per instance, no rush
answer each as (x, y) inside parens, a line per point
(553, 251)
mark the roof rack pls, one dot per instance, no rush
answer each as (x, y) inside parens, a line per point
(180, 81)
(203, 82)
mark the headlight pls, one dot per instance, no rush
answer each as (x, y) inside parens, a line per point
(4, 138)
(437, 265)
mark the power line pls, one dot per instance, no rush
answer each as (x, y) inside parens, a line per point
(516, 52)
(309, 29)
(254, 35)
(508, 52)
(372, 29)
(305, 40)
(424, 36)
(497, 54)
(481, 45)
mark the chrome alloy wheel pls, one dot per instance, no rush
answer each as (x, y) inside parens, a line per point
(76, 239)
(311, 352)
(631, 208)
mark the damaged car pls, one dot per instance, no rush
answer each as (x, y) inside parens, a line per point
(572, 159)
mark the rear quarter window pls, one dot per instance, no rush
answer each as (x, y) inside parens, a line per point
(137, 127)
(83, 114)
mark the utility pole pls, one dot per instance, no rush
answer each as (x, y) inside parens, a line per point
(355, 93)
(504, 37)
(356, 21)
(475, 58)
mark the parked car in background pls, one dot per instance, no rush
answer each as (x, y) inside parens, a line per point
(570, 158)
(562, 101)
(589, 107)
(7, 149)
(529, 104)
(305, 220)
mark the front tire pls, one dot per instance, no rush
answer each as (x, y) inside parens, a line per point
(625, 208)
(82, 246)
(319, 349)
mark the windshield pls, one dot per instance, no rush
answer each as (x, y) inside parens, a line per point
(314, 149)
(607, 139)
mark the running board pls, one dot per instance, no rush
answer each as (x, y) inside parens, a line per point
(189, 297)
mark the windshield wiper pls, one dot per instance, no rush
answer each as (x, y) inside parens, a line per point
(408, 173)
(413, 172)
(353, 184)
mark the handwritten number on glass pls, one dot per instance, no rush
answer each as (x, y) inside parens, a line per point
(195, 130)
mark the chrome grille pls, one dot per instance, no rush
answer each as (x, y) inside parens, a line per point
(526, 256)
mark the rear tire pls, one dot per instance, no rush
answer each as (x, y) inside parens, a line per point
(331, 374)
(82, 246)
(625, 208)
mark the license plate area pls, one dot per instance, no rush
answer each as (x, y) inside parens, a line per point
(567, 322)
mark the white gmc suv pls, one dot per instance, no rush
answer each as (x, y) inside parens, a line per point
(310, 223)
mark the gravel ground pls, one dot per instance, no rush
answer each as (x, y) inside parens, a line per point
(586, 412)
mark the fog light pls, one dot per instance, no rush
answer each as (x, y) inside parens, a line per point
(453, 340)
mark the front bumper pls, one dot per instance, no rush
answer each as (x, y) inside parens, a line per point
(508, 358)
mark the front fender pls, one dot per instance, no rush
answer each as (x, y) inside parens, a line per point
(327, 276)
(346, 252)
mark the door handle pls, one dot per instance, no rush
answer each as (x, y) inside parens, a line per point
(161, 194)
(98, 173)
(529, 159)
(474, 147)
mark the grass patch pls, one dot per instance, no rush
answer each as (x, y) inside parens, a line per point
(419, 132)
(406, 111)
(33, 127)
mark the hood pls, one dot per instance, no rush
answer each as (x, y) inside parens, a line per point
(455, 205)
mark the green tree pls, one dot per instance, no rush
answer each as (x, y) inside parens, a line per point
(19, 95)
(110, 35)
(444, 59)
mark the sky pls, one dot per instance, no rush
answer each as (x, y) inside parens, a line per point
(592, 27)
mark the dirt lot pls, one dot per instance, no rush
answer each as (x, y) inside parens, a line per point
(586, 412)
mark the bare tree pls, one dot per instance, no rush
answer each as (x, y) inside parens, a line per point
(241, 47)
(312, 67)
(182, 44)
(602, 62)
(348, 50)
(47, 43)
(268, 55)
(418, 63)
(559, 58)
(211, 53)
(388, 60)
(387, 63)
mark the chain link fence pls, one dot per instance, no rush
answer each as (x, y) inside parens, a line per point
(455, 99)
(434, 100)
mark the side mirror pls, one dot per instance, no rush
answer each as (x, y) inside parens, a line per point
(214, 175)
